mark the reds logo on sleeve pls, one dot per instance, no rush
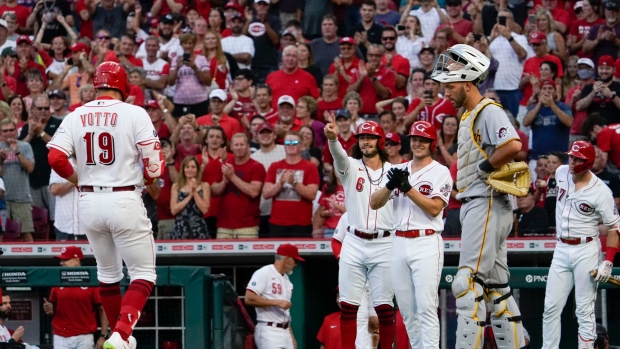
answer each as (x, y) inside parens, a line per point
(425, 188)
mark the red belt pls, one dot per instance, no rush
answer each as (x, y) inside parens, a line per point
(411, 234)
(278, 325)
(90, 188)
(576, 241)
(371, 236)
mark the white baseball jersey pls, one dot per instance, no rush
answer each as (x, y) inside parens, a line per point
(105, 135)
(341, 229)
(268, 283)
(5, 335)
(577, 213)
(433, 180)
(359, 182)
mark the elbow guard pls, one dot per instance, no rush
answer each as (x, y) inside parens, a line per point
(60, 163)
(152, 159)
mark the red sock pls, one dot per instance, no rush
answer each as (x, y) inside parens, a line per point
(348, 324)
(111, 301)
(134, 300)
(387, 328)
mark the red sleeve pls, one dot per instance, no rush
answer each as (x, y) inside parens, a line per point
(321, 335)
(563, 17)
(603, 140)
(403, 67)
(327, 156)
(165, 70)
(96, 296)
(60, 163)
(413, 105)
(314, 89)
(389, 81)
(524, 142)
(311, 174)
(560, 66)
(574, 29)
(271, 173)
(336, 247)
(45, 57)
(332, 68)
(138, 94)
(53, 297)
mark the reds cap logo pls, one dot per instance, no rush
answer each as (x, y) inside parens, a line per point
(420, 127)
(503, 132)
(584, 207)
(425, 188)
(576, 148)
(257, 29)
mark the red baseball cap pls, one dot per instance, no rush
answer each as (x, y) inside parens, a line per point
(79, 47)
(393, 137)
(549, 82)
(347, 40)
(606, 60)
(537, 37)
(23, 38)
(233, 5)
(288, 250)
(151, 104)
(617, 66)
(265, 126)
(71, 252)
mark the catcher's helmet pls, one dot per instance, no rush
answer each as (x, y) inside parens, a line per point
(371, 128)
(425, 129)
(585, 151)
(112, 75)
(461, 63)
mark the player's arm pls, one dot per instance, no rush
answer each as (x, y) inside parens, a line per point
(60, 163)
(505, 153)
(307, 191)
(379, 198)
(432, 206)
(152, 159)
(254, 300)
(103, 320)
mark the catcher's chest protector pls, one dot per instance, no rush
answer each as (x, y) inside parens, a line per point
(470, 152)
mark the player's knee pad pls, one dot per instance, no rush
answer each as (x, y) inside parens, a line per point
(505, 318)
(348, 311)
(471, 309)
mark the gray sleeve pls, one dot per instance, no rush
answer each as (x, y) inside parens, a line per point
(341, 159)
(496, 127)
(24, 147)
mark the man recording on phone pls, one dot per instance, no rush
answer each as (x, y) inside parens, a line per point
(430, 107)
(602, 95)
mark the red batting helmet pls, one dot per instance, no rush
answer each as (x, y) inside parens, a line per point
(371, 128)
(583, 150)
(112, 75)
(424, 129)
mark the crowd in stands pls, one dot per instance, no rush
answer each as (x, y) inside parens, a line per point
(239, 93)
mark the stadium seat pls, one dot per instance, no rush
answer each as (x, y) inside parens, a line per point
(13, 231)
(41, 224)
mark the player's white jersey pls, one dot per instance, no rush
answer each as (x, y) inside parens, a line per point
(104, 134)
(432, 180)
(359, 183)
(341, 229)
(577, 213)
(268, 283)
(5, 335)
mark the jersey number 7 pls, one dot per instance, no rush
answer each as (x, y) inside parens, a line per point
(105, 142)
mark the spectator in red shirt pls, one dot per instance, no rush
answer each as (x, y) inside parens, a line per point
(431, 107)
(21, 13)
(75, 310)
(23, 64)
(373, 81)
(291, 80)
(607, 137)
(580, 28)
(345, 65)
(125, 53)
(458, 27)
(399, 64)
(162, 122)
(217, 98)
(241, 107)
(240, 191)
(329, 101)
(164, 7)
(345, 137)
(286, 117)
(293, 184)
(262, 100)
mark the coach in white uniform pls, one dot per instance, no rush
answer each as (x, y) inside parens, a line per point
(582, 200)
(270, 291)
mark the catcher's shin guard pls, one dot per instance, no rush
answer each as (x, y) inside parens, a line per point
(471, 309)
(505, 318)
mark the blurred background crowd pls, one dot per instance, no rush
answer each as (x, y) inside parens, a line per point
(239, 93)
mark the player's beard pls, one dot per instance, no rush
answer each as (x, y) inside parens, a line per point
(459, 99)
(4, 314)
(369, 153)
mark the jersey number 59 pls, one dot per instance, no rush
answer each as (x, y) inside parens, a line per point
(276, 288)
(105, 143)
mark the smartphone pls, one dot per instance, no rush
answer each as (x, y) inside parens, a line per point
(501, 20)
(477, 37)
(186, 56)
(400, 27)
(70, 61)
(428, 94)
(184, 110)
(111, 47)
(531, 19)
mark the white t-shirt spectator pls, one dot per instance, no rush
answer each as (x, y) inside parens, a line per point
(429, 21)
(173, 47)
(156, 69)
(510, 68)
(410, 49)
(239, 44)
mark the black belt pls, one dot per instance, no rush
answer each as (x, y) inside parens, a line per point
(471, 198)
(91, 189)
(283, 325)
(371, 236)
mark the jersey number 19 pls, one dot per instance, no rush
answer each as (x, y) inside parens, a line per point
(105, 142)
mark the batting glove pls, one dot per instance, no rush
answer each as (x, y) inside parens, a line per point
(402, 180)
(604, 271)
(393, 179)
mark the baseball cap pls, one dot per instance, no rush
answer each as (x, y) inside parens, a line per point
(8, 51)
(578, 5)
(546, 82)
(537, 37)
(347, 40)
(57, 93)
(3, 23)
(393, 137)
(151, 104)
(219, 94)
(606, 60)
(286, 99)
(586, 61)
(237, 16)
(166, 19)
(154, 23)
(79, 47)
(288, 250)
(287, 32)
(612, 5)
(343, 113)
(453, 2)
(265, 126)
(267, 1)
(23, 38)
(71, 252)
(427, 49)
(233, 5)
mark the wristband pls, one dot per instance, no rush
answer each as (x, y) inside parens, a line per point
(511, 39)
(17, 154)
(486, 166)
(42, 134)
(106, 336)
(610, 253)
(169, 164)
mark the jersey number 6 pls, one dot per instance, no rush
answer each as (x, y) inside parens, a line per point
(105, 142)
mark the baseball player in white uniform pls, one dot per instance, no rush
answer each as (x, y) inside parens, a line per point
(366, 251)
(420, 190)
(270, 291)
(367, 321)
(582, 200)
(117, 151)
(487, 140)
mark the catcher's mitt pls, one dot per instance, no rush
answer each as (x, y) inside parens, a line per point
(512, 178)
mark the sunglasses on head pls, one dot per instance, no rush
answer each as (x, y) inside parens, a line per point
(291, 142)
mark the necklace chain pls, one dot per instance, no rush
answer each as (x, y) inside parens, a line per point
(373, 181)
